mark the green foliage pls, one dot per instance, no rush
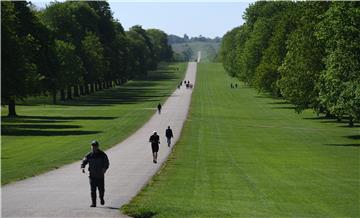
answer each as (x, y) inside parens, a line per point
(307, 52)
(340, 81)
(71, 46)
(20, 51)
(302, 66)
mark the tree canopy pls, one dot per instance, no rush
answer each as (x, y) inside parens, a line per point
(306, 52)
(72, 48)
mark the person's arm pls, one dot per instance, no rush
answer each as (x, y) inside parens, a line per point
(83, 163)
(106, 162)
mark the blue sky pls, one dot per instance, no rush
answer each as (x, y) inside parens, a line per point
(209, 19)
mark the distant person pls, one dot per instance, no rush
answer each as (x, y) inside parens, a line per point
(98, 164)
(236, 85)
(159, 108)
(169, 135)
(155, 141)
(231, 85)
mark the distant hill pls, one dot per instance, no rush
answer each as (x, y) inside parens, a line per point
(186, 48)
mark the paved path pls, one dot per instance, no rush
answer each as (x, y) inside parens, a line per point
(65, 192)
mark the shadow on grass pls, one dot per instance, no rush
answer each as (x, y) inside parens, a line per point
(26, 132)
(39, 126)
(14, 127)
(345, 145)
(284, 107)
(138, 90)
(355, 137)
(143, 214)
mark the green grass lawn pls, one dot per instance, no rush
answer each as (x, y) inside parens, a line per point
(242, 154)
(47, 136)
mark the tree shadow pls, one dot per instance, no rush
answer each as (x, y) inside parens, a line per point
(33, 126)
(284, 107)
(345, 145)
(39, 126)
(26, 132)
(279, 102)
(354, 137)
(144, 214)
(135, 91)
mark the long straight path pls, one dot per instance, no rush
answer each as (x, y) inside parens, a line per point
(65, 192)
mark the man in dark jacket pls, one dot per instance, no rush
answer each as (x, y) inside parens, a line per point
(98, 164)
(155, 141)
(169, 135)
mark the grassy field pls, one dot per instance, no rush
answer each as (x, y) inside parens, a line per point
(208, 49)
(242, 154)
(47, 136)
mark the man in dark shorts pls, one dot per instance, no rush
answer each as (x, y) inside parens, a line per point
(169, 135)
(155, 141)
(98, 164)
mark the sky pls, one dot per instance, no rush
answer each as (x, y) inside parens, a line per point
(209, 19)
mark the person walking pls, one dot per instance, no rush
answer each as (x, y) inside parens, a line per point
(159, 108)
(155, 141)
(98, 164)
(169, 135)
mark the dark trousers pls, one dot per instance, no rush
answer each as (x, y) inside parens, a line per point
(96, 183)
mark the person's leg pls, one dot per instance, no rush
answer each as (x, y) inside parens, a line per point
(93, 191)
(154, 157)
(101, 187)
(168, 141)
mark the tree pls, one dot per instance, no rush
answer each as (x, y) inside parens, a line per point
(340, 81)
(267, 73)
(20, 46)
(302, 66)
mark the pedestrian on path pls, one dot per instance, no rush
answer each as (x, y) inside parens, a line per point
(98, 164)
(155, 141)
(159, 108)
(169, 135)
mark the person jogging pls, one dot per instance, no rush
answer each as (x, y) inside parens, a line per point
(169, 135)
(98, 164)
(155, 141)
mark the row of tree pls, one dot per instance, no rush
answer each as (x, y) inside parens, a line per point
(306, 52)
(174, 39)
(72, 48)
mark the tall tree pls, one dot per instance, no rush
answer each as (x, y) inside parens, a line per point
(20, 48)
(302, 66)
(340, 82)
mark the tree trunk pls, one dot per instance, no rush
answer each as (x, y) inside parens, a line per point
(76, 91)
(54, 92)
(12, 111)
(69, 93)
(92, 88)
(87, 88)
(351, 121)
(82, 91)
(62, 95)
(96, 86)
